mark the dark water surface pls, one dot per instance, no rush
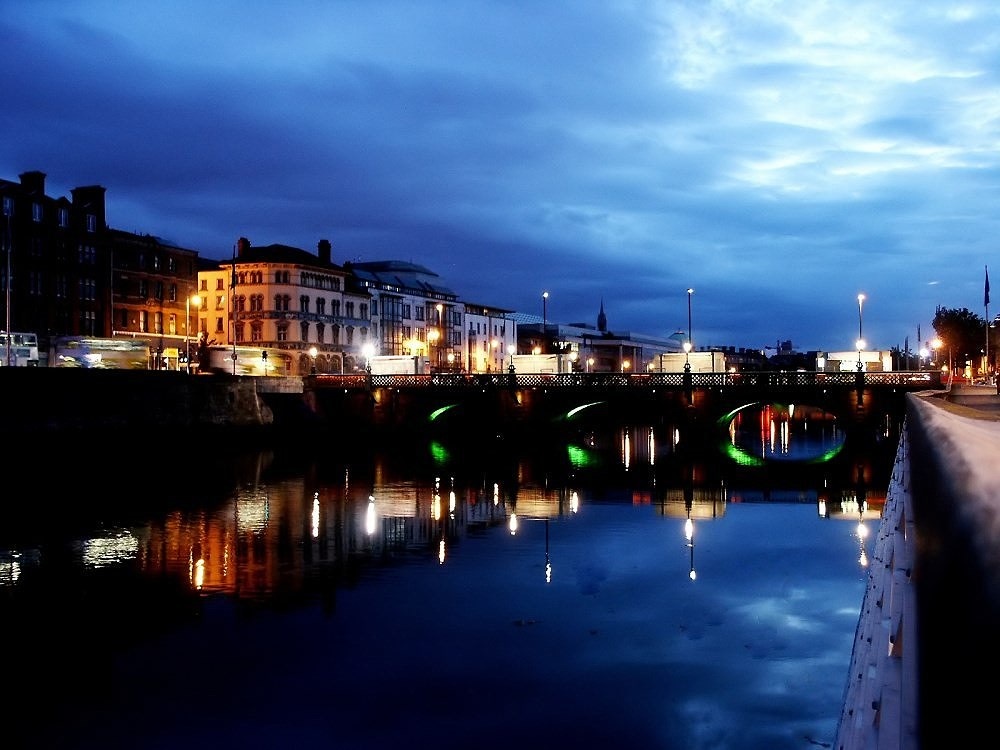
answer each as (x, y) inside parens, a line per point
(370, 596)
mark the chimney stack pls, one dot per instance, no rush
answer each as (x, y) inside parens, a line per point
(324, 250)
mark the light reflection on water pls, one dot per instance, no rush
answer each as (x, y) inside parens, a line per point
(511, 598)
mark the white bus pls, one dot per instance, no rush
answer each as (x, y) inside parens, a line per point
(107, 354)
(18, 349)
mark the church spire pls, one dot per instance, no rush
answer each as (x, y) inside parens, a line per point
(602, 319)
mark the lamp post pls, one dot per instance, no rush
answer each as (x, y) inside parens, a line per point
(545, 317)
(187, 327)
(861, 337)
(688, 345)
(312, 355)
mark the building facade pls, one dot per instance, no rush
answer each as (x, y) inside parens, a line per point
(285, 310)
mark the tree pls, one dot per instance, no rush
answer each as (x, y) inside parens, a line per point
(962, 334)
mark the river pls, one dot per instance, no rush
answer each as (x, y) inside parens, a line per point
(605, 590)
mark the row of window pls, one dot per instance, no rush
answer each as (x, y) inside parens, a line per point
(38, 214)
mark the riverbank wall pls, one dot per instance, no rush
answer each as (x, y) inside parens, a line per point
(931, 609)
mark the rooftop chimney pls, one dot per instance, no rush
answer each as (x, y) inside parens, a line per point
(324, 250)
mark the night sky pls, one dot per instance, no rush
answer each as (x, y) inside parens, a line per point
(777, 157)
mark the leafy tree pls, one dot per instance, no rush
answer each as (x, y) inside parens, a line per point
(963, 334)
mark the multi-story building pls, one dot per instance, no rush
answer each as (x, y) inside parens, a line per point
(54, 276)
(298, 309)
(153, 282)
(416, 313)
(490, 337)
(65, 273)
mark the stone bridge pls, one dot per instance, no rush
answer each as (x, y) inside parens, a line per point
(507, 402)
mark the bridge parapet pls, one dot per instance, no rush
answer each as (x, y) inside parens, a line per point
(908, 380)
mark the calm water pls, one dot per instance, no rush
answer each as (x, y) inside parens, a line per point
(376, 596)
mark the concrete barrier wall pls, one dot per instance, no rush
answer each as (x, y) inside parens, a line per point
(926, 648)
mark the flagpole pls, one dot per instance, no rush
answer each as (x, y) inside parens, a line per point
(986, 302)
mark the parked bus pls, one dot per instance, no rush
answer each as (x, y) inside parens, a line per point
(18, 349)
(249, 361)
(109, 354)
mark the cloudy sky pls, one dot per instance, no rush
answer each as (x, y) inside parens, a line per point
(778, 157)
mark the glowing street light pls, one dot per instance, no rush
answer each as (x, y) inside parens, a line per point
(312, 354)
(545, 315)
(187, 328)
(861, 336)
(688, 345)
(368, 350)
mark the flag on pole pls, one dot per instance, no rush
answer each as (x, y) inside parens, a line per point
(986, 294)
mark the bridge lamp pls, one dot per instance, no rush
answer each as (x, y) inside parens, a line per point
(312, 355)
(688, 345)
(923, 356)
(590, 364)
(626, 365)
(368, 350)
(861, 346)
(187, 328)
(861, 335)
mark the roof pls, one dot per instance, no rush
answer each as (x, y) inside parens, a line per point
(278, 253)
(402, 274)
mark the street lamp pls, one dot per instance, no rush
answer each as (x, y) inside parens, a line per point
(187, 327)
(368, 350)
(545, 316)
(312, 355)
(688, 344)
(861, 336)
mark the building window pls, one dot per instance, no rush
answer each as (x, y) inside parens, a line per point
(218, 325)
(143, 289)
(172, 324)
(87, 289)
(36, 212)
(238, 330)
(158, 322)
(63, 218)
(143, 321)
(256, 332)
(159, 290)
(173, 293)
(349, 309)
(407, 312)
(219, 284)
(320, 332)
(335, 308)
(304, 330)
(304, 303)
(220, 302)
(203, 285)
(91, 223)
(283, 332)
(172, 264)
(156, 261)
(320, 306)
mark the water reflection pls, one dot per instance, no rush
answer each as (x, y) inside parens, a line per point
(319, 526)
(783, 432)
(590, 541)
